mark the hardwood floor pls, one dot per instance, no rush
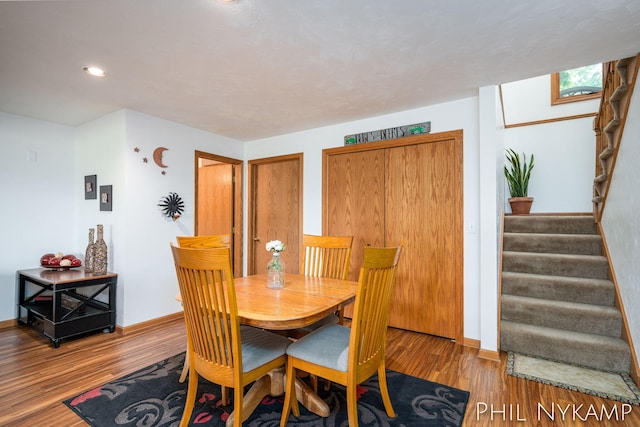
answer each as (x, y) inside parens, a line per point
(35, 377)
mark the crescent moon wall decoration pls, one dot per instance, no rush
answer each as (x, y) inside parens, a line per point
(157, 156)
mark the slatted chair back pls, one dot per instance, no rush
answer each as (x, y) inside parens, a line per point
(202, 242)
(371, 310)
(326, 256)
(210, 310)
(210, 241)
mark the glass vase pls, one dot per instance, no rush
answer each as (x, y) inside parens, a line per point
(100, 254)
(88, 253)
(275, 272)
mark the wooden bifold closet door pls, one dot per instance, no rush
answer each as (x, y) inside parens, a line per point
(406, 191)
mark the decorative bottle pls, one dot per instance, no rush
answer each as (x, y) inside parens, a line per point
(100, 253)
(88, 254)
(275, 272)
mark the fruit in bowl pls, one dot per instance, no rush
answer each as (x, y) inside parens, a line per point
(44, 259)
(59, 260)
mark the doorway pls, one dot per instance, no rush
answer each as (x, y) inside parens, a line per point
(218, 201)
(275, 210)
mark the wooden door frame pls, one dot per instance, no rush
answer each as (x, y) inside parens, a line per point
(252, 164)
(238, 226)
(457, 137)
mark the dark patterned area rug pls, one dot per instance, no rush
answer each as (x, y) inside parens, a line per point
(153, 396)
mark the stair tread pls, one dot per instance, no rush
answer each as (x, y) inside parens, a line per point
(562, 304)
(554, 255)
(562, 288)
(571, 335)
(562, 224)
(595, 351)
(568, 279)
(565, 315)
(587, 244)
(572, 265)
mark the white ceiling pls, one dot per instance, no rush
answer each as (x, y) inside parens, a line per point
(259, 68)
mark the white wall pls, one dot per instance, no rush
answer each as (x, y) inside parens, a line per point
(151, 281)
(491, 148)
(530, 100)
(621, 222)
(37, 162)
(461, 114)
(564, 151)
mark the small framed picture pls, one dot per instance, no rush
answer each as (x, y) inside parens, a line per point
(106, 196)
(90, 190)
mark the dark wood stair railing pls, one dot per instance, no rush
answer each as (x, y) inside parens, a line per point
(619, 79)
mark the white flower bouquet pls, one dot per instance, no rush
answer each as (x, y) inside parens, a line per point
(275, 246)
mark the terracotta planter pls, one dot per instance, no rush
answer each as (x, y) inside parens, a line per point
(520, 205)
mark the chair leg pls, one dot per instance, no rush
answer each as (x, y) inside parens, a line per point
(238, 410)
(290, 398)
(384, 391)
(352, 404)
(225, 395)
(191, 398)
(185, 368)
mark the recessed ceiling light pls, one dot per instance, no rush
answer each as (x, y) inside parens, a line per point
(94, 71)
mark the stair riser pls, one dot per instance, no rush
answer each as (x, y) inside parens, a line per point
(589, 354)
(553, 243)
(553, 224)
(559, 288)
(598, 322)
(559, 266)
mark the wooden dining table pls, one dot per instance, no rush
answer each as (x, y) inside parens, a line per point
(303, 301)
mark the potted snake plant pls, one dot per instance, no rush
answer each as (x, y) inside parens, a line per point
(517, 171)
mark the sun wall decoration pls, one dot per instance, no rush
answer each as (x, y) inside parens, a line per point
(172, 206)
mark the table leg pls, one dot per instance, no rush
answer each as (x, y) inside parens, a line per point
(310, 400)
(273, 384)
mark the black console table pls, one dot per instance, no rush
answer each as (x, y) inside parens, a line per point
(61, 304)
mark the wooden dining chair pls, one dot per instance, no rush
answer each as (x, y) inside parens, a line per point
(349, 356)
(324, 256)
(201, 242)
(220, 350)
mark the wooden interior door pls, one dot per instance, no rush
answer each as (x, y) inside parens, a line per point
(355, 206)
(406, 191)
(218, 204)
(424, 214)
(275, 210)
(215, 194)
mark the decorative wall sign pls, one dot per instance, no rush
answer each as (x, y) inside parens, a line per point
(390, 133)
(106, 196)
(90, 190)
(172, 206)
